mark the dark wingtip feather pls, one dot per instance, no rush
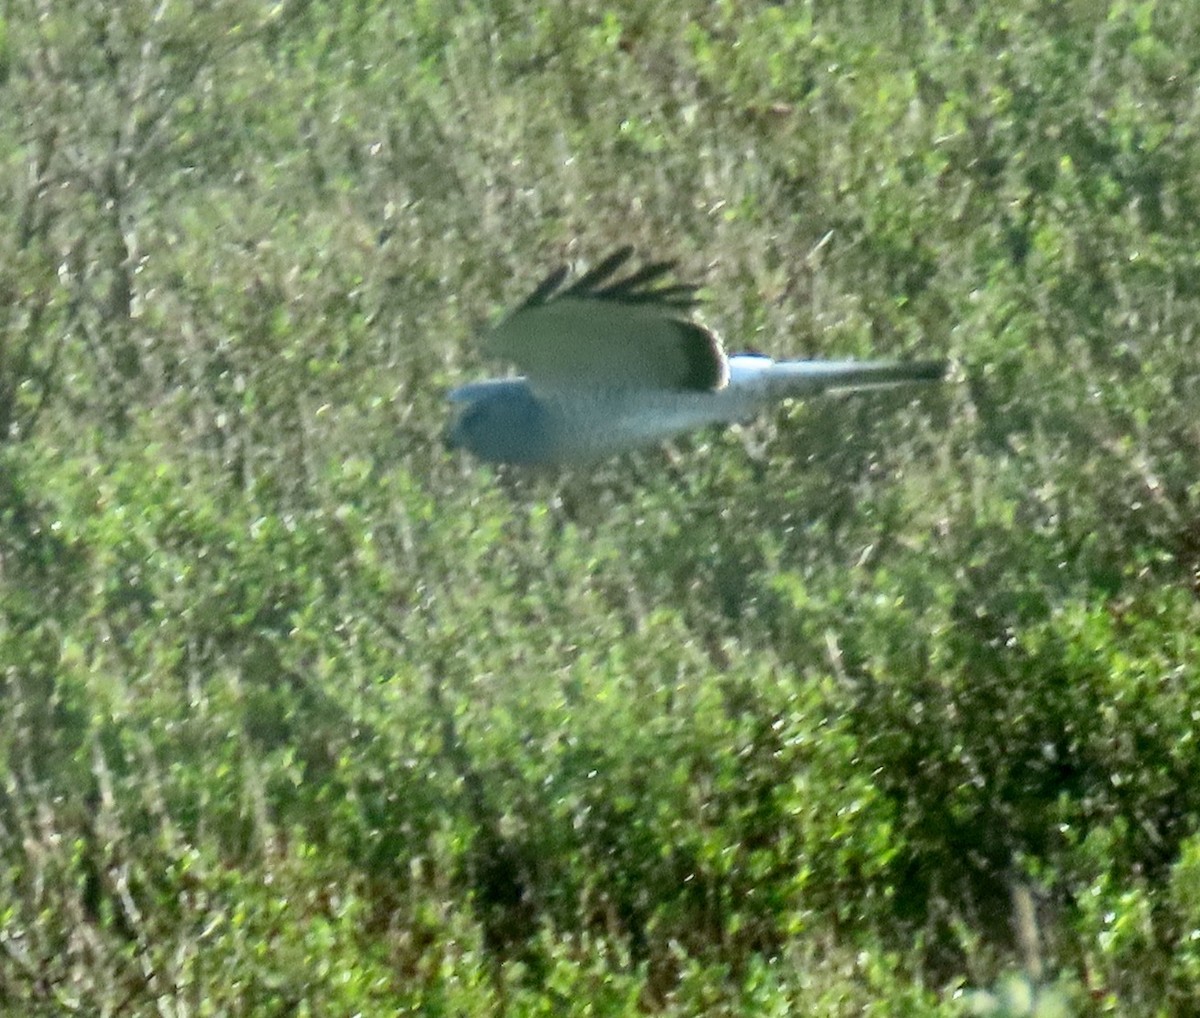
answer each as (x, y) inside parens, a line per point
(646, 274)
(586, 284)
(681, 296)
(546, 288)
(599, 283)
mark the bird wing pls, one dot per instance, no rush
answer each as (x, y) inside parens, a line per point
(607, 330)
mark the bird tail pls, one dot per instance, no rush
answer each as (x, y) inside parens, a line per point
(800, 378)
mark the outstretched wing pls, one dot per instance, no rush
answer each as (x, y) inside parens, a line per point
(612, 331)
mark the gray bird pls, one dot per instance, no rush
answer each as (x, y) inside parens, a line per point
(616, 362)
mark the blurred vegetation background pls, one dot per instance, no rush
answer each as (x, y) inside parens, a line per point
(884, 706)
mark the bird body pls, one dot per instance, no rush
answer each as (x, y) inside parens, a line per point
(614, 365)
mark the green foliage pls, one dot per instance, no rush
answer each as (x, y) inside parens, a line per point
(299, 714)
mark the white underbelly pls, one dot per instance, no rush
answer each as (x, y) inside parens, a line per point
(612, 420)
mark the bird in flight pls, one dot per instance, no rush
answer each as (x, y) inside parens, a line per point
(615, 361)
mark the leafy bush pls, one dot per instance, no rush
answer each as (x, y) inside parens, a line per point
(875, 706)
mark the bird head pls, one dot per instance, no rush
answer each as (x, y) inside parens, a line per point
(500, 422)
